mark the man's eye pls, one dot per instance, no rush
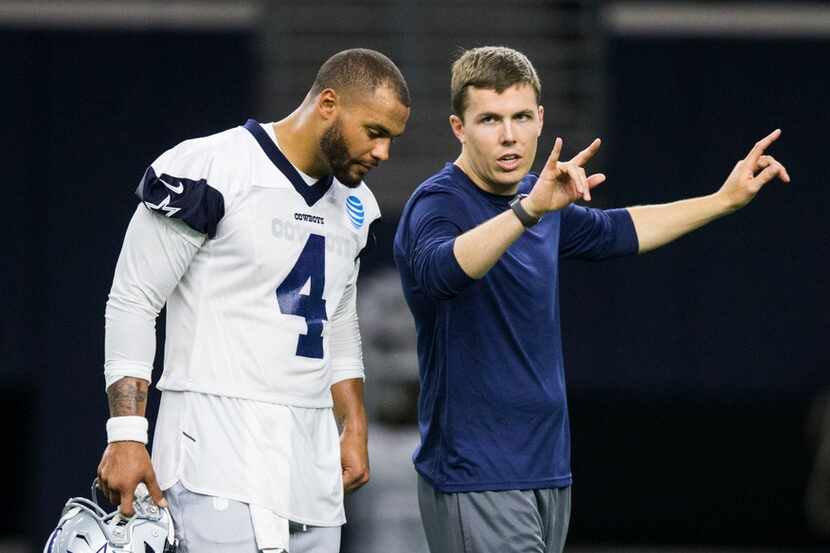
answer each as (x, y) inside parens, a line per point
(488, 119)
(523, 117)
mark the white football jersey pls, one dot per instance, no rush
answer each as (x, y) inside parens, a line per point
(257, 265)
(251, 316)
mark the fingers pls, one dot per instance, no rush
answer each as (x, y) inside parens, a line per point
(352, 480)
(595, 180)
(756, 151)
(124, 466)
(109, 494)
(348, 480)
(772, 171)
(578, 178)
(126, 503)
(785, 176)
(113, 497)
(105, 491)
(101, 485)
(767, 161)
(554, 154)
(585, 155)
(154, 489)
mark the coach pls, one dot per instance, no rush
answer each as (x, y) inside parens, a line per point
(478, 248)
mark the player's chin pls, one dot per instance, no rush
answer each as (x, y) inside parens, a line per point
(349, 179)
(353, 176)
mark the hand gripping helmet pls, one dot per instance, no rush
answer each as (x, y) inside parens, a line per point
(84, 527)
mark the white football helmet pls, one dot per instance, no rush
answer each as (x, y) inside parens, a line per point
(84, 527)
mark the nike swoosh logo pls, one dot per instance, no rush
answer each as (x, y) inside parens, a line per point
(177, 189)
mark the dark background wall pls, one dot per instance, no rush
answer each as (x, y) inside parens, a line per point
(691, 370)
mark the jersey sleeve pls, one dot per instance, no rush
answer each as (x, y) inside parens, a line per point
(155, 254)
(596, 234)
(188, 183)
(430, 229)
(345, 347)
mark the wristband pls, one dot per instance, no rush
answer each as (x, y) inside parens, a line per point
(127, 429)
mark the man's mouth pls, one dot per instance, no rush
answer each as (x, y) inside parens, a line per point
(509, 162)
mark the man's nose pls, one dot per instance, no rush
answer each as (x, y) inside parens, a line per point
(381, 150)
(507, 133)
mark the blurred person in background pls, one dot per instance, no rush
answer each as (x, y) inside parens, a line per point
(478, 248)
(252, 238)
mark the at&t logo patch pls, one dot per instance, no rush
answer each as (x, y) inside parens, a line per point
(355, 211)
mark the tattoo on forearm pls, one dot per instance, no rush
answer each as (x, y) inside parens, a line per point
(128, 396)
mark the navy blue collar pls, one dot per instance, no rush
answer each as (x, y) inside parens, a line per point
(310, 193)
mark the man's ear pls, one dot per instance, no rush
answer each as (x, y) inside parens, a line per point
(327, 103)
(457, 126)
(541, 120)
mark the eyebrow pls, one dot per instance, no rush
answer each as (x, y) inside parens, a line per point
(383, 131)
(500, 116)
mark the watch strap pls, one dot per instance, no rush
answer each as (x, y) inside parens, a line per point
(526, 218)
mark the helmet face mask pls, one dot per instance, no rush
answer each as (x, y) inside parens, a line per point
(84, 527)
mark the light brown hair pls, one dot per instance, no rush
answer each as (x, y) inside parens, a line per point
(490, 67)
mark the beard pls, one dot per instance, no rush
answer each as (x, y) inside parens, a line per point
(336, 152)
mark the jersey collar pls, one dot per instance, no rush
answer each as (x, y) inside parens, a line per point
(310, 193)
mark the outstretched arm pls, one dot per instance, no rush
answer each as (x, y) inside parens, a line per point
(657, 225)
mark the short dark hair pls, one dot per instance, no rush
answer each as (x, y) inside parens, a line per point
(490, 67)
(360, 69)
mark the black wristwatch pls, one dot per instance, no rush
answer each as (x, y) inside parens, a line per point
(526, 218)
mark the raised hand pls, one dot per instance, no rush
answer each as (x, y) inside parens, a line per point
(753, 172)
(562, 183)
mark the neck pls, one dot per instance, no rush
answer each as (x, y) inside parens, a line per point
(299, 141)
(488, 186)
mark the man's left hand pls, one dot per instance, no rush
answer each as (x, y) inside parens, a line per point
(354, 459)
(751, 173)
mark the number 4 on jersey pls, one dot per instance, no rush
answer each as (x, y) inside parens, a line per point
(310, 269)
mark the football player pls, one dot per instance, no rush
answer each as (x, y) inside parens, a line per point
(252, 238)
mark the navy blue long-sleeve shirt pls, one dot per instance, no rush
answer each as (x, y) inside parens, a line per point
(492, 411)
